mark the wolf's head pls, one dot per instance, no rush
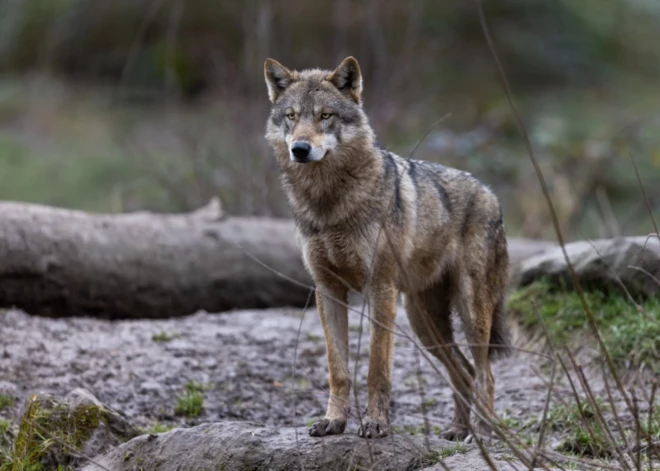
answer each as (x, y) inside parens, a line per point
(316, 114)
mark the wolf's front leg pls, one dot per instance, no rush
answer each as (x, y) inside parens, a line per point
(331, 302)
(383, 312)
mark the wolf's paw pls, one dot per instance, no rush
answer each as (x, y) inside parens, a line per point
(455, 433)
(374, 428)
(483, 432)
(472, 438)
(324, 427)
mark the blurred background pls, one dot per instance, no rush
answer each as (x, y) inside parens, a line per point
(161, 104)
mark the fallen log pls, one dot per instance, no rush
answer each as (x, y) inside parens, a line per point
(60, 262)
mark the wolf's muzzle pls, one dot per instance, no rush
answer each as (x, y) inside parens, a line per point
(300, 151)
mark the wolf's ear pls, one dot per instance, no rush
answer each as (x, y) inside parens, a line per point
(278, 78)
(347, 78)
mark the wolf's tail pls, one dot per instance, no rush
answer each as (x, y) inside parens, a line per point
(500, 341)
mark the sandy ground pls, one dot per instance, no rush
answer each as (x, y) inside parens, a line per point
(245, 357)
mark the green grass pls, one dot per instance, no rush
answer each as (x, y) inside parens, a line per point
(74, 176)
(434, 457)
(579, 441)
(47, 430)
(5, 443)
(190, 403)
(312, 337)
(572, 424)
(630, 336)
(583, 435)
(6, 401)
(429, 403)
(162, 337)
(453, 450)
(413, 429)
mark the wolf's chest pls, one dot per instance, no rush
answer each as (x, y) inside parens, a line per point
(346, 255)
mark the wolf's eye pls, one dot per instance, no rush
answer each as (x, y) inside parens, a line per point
(325, 116)
(291, 116)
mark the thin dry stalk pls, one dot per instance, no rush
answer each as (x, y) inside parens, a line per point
(293, 371)
(553, 214)
(546, 406)
(653, 448)
(422, 400)
(578, 401)
(638, 439)
(355, 382)
(646, 272)
(610, 399)
(646, 200)
(598, 465)
(136, 45)
(597, 412)
(484, 452)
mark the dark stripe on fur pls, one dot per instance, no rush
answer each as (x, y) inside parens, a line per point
(442, 193)
(494, 227)
(468, 214)
(390, 166)
(412, 172)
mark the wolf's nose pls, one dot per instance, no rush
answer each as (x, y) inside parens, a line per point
(300, 150)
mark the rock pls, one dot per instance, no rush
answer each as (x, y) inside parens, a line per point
(56, 431)
(522, 249)
(234, 445)
(473, 460)
(600, 264)
(246, 445)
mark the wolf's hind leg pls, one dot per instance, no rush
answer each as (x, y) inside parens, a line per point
(331, 304)
(429, 312)
(477, 306)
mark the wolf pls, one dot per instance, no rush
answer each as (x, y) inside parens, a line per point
(371, 221)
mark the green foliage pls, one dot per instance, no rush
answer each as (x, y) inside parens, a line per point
(631, 337)
(583, 433)
(71, 176)
(6, 401)
(162, 337)
(413, 429)
(434, 457)
(429, 403)
(47, 429)
(190, 403)
(453, 450)
(97, 39)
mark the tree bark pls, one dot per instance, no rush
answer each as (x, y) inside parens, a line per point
(58, 262)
